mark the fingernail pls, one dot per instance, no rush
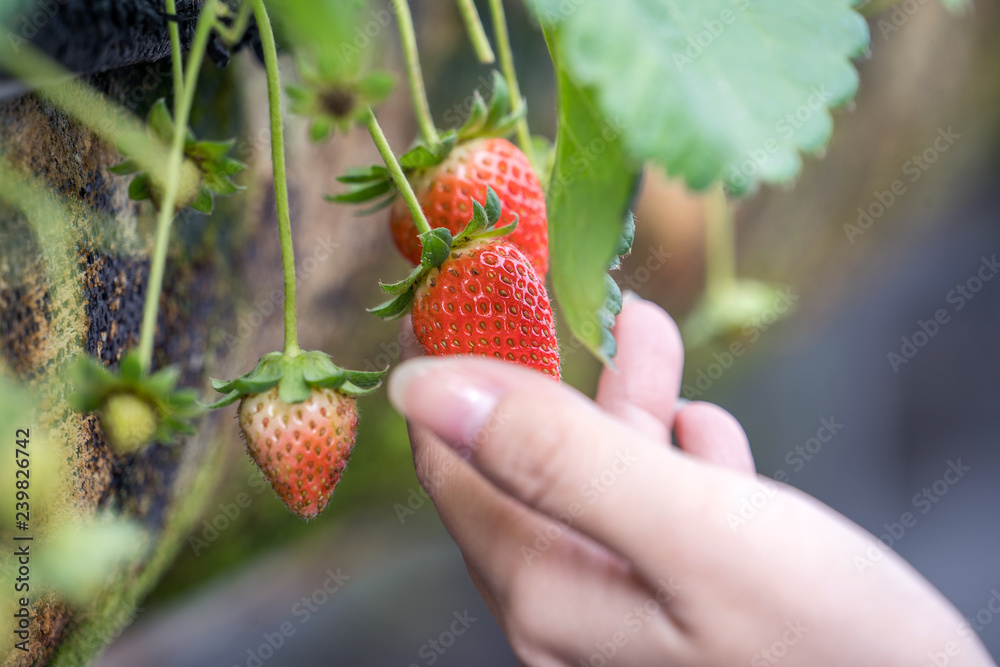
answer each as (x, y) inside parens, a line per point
(681, 402)
(433, 393)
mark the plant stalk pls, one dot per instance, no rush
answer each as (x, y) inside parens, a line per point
(417, 89)
(507, 67)
(477, 34)
(396, 171)
(280, 177)
(720, 243)
(166, 212)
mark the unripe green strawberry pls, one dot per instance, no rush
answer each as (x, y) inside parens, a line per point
(188, 186)
(486, 300)
(128, 422)
(302, 448)
(445, 193)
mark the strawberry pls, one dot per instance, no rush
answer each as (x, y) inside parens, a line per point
(302, 448)
(486, 300)
(299, 416)
(444, 192)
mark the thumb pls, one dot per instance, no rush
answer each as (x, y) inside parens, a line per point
(552, 449)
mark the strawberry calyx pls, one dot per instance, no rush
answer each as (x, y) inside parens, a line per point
(296, 375)
(374, 184)
(205, 172)
(332, 100)
(135, 408)
(438, 244)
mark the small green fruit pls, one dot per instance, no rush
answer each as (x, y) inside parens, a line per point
(128, 422)
(188, 186)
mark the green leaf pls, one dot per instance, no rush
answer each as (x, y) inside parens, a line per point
(436, 247)
(204, 202)
(292, 387)
(227, 166)
(320, 128)
(587, 199)
(417, 158)
(404, 284)
(220, 184)
(362, 194)
(394, 308)
(128, 166)
(364, 174)
(376, 86)
(714, 89)
(493, 207)
(138, 189)
(160, 121)
(211, 150)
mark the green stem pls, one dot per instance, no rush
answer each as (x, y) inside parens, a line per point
(474, 26)
(417, 90)
(720, 243)
(232, 34)
(166, 212)
(507, 66)
(175, 54)
(396, 171)
(280, 177)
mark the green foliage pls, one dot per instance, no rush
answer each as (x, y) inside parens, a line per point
(296, 376)
(205, 172)
(78, 558)
(718, 89)
(172, 410)
(588, 197)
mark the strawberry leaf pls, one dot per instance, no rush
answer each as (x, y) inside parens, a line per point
(587, 199)
(361, 194)
(715, 89)
(436, 247)
(138, 189)
(160, 121)
(204, 202)
(394, 308)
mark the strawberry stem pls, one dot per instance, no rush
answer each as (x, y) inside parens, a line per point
(417, 90)
(507, 66)
(720, 243)
(166, 213)
(280, 177)
(175, 54)
(396, 171)
(477, 34)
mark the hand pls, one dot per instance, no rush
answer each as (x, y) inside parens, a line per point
(595, 541)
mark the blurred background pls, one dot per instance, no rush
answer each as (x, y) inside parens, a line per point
(868, 267)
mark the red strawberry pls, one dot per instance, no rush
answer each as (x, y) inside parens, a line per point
(444, 193)
(302, 448)
(486, 300)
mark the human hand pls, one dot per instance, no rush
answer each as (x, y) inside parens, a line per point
(595, 541)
